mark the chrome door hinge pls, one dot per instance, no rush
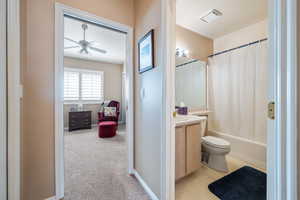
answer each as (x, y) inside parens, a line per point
(271, 110)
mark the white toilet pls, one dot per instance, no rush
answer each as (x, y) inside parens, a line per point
(214, 151)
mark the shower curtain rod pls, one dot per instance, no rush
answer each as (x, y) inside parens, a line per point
(187, 63)
(242, 46)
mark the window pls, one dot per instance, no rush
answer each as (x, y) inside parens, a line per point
(71, 85)
(83, 85)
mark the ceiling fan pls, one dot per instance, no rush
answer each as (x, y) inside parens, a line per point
(84, 44)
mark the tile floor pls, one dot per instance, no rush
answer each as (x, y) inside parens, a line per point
(195, 186)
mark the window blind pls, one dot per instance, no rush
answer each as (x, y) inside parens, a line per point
(92, 86)
(71, 85)
(82, 85)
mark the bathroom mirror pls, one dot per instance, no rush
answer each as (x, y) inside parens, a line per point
(190, 83)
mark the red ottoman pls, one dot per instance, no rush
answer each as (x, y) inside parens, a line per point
(107, 129)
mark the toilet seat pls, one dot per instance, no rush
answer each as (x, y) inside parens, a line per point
(216, 142)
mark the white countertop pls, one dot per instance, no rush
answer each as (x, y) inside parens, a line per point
(199, 112)
(183, 120)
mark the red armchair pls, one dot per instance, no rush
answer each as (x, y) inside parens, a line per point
(108, 124)
(102, 118)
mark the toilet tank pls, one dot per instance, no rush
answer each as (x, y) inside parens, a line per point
(203, 124)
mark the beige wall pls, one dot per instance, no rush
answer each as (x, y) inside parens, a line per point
(246, 35)
(117, 10)
(148, 115)
(38, 79)
(199, 47)
(112, 83)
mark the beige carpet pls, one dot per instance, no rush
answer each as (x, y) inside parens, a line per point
(96, 169)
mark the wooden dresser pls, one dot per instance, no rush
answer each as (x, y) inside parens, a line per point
(80, 120)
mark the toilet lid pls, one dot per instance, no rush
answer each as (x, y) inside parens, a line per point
(216, 142)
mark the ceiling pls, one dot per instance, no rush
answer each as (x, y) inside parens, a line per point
(237, 14)
(113, 42)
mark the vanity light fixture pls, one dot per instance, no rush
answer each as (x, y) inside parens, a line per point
(182, 52)
(211, 15)
(185, 52)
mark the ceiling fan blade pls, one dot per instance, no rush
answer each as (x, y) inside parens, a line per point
(72, 47)
(69, 39)
(98, 50)
(93, 43)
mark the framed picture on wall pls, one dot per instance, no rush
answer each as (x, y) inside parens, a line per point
(146, 52)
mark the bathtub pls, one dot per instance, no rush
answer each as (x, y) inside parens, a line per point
(252, 152)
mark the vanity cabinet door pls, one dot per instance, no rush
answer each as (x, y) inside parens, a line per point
(180, 158)
(193, 148)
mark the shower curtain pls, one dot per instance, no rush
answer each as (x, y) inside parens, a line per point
(237, 92)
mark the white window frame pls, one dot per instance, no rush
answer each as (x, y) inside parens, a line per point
(81, 71)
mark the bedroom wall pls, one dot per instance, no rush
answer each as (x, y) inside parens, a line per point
(112, 84)
(148, 115)
(243, 36)
(199, 47)
(37, 153)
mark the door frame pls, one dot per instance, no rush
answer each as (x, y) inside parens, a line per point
(168, 30)
(282, 147)
(3, 106)
(60, 11)
(14, 96)
(282, 144)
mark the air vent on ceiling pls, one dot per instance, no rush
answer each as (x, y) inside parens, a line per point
(210, 16)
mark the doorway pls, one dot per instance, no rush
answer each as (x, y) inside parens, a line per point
(277, 141)
(67, 69)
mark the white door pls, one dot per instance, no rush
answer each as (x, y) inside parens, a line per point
(3, 130)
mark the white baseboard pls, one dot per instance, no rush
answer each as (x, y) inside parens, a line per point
(54, 198)
(145, 186)
(51, 198)
(140, 180)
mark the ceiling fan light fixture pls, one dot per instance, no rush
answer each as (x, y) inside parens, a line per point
(84, 44)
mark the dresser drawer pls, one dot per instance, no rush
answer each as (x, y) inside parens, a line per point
(80, 120)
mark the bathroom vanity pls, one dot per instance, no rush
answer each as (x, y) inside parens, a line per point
(189, 130)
